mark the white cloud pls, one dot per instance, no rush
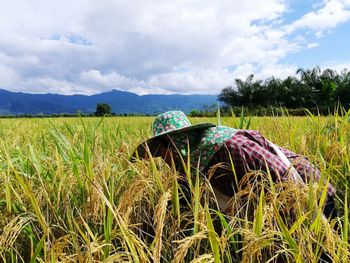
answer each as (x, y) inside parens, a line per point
(201, 81)
(7, 76)
(336, 66)
(209, 81)
(242, 71)
(108, 80)
(312, 45)
(329, 16)
(277, 70)
(87, 46)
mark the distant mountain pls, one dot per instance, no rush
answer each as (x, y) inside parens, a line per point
(121, 102)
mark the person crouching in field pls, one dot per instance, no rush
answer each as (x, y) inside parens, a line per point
(237, 151)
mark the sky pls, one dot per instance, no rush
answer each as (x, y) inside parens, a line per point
(165, 47)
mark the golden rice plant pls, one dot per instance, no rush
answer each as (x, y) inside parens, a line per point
(70, 194)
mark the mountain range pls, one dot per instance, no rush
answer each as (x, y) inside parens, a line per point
(15, 103)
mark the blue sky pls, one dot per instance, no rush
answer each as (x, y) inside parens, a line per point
(182, 46)
(332, 49)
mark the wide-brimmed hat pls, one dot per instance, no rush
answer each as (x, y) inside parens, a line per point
(211, 141)
(166, 124)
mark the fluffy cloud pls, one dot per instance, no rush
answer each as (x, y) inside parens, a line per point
(201, 81)
(88, 46)
(312, 45)
(329, 16)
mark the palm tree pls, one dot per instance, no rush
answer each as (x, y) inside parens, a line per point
(342, 92)
(311, 84)
(230, 96)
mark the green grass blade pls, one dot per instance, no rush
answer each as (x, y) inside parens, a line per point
(213, 238)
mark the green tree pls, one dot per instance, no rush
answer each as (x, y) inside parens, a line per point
(313, 88)
(103, 109)
(230, 96)
(195, 113)
(342, 93)
(310, 83)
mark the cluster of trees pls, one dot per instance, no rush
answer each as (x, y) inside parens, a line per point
(309, 89)
(102, 109)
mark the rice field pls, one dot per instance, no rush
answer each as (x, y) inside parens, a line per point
(69, 194)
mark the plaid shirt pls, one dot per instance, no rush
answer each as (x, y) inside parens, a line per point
(249, 150)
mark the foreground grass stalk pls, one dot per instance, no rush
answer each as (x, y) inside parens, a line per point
(213, 238)
(69, 194)
(159, 216)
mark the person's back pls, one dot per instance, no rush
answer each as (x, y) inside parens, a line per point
(224, 155)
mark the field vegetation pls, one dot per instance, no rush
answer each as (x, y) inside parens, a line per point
(309, 88)
(70, 194)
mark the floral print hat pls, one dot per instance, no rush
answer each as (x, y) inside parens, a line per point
(168, 123)
(212, 140)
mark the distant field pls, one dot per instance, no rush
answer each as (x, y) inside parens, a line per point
(69, 194)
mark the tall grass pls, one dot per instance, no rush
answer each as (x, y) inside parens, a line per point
(70, 194)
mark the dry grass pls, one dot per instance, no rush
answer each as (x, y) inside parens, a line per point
(69, 194)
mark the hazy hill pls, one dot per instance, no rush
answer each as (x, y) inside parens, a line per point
(121, 102)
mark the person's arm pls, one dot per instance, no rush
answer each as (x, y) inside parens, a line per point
(301, 164)
(253, 156)
(305, 168)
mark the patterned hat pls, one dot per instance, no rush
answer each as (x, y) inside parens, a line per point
(212, 140)
(171, 122)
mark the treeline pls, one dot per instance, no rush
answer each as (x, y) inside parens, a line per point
(70, 115)
(102, 109)
(314, 89)
(227, 111)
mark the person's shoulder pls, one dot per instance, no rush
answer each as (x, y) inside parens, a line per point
(252, 135)
(223, 130)
(218, 133)
(254, 132)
